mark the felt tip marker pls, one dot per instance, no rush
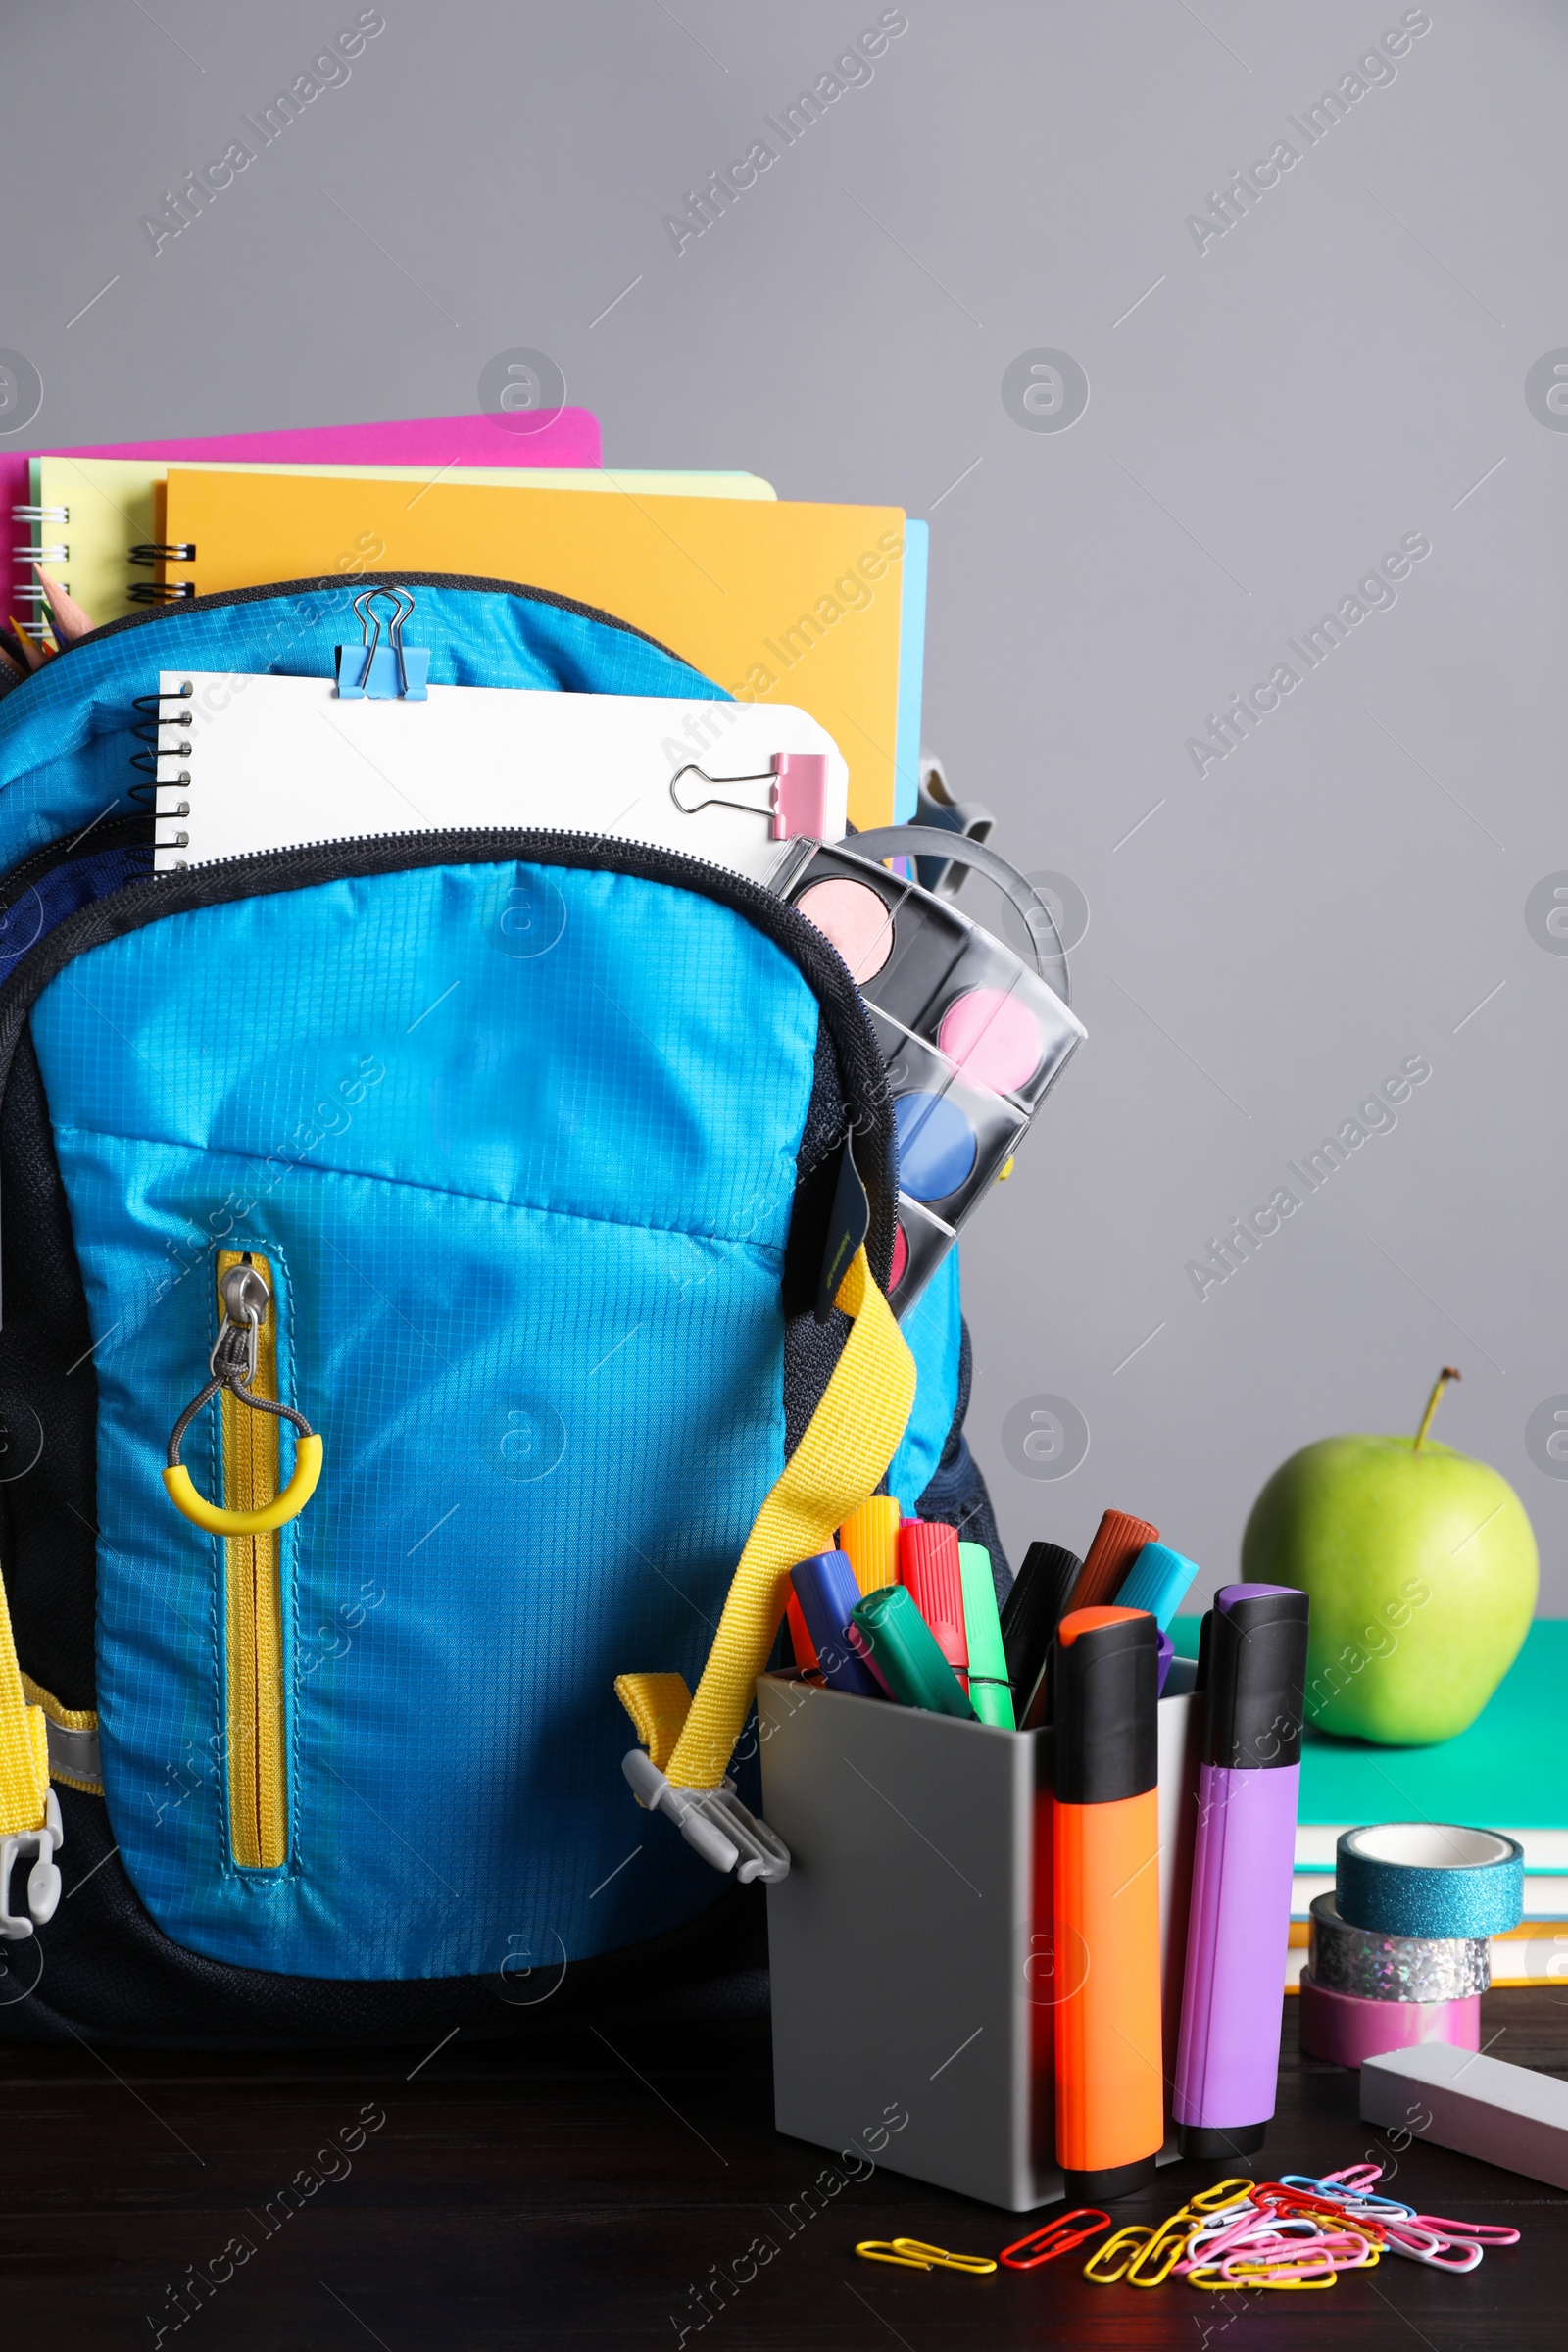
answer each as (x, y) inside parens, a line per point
(888, 1627)
(801, 1641)
(826, 1589)
(930, 1568)
(1228, 2052)
(1118, 1540)
(989, 1691)
(1158, 1581)
(1029, 1621)
(870, 1540)
(1110, 2093)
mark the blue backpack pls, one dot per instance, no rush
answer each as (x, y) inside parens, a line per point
(531, 1139)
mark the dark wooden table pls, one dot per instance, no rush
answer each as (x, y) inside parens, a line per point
(586, 2189)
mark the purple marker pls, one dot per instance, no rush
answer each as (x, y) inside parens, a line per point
(1227, 2059)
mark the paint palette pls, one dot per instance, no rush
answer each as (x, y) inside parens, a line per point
(940, 976)
(954, 1137)
(920, 1242)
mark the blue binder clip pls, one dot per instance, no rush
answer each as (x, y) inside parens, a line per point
(378, 672)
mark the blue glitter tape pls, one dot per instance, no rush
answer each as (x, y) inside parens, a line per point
(1430, 1877)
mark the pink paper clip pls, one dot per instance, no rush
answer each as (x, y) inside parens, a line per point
(796, 802)
(1457, 2255)
(1486, 2234)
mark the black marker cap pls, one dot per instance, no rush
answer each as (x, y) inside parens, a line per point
(1106, 1693)
(1255, 1635)
(1030, 1616)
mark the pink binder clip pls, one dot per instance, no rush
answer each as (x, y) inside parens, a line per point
(800, 796)
(797, 801)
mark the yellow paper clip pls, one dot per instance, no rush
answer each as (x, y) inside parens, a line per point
(1223, 2193)
(1170, 2240)
(938, 2256)
(1125, 2244)
(879, 2249)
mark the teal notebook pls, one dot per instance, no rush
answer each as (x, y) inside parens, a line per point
(1504, 1773)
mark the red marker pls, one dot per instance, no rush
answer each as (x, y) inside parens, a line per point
(930, 1566)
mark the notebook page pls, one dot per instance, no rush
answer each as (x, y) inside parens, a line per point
(277, 763)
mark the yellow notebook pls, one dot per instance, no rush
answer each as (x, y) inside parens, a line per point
(111, 504)
(776, 600)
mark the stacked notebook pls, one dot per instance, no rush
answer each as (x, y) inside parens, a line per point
(819, 607)
(808, 616)
(1504, 1773)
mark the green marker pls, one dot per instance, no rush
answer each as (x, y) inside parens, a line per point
(903, 1649)
(990, 1691)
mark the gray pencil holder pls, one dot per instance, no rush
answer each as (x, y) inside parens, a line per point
(911, 1944)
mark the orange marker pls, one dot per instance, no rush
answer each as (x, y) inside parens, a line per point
(1111, 2108)
(870, 1540)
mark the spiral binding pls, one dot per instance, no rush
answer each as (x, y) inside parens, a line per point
(148, 551)
(27, 590)
(147, 729)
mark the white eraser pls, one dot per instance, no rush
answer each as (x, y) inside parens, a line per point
(1509, 2116)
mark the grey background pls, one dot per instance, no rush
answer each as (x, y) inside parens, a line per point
(1341, 368)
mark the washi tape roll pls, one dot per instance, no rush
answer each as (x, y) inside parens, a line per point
(1393, 1968)
(1346, 2028)
(1430, 1877)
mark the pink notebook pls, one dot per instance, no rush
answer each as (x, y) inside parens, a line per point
(570, 439)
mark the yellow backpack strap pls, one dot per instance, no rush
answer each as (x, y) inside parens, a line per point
(843, 1453)
(23, 1745)
(30, 1816)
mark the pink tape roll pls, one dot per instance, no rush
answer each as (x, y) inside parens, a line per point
(1349, 2027)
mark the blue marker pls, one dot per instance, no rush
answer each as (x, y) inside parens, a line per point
(827, 1590)
(1157, 1581)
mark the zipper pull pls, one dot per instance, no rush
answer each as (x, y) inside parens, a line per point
(246, 1300)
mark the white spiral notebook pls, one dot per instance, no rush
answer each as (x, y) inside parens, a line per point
(247, 763)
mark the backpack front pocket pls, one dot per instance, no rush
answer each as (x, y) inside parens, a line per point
(529, 1283)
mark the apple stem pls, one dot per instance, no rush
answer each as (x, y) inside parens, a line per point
(1449, 1372)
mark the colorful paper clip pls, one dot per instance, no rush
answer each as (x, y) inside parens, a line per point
(1163, 2249)
(913, 2254)
(1044, 2245)
(1221, 2197)
(1122, 2247)
(938, 2256)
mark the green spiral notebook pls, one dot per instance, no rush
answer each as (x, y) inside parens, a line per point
(1504, 1773)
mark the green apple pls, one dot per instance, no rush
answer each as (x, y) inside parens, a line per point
(1422, 1571)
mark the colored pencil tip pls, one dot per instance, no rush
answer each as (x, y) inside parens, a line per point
(71, 621)
(32, 653)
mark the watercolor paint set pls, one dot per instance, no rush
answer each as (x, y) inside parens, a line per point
(972, 1039)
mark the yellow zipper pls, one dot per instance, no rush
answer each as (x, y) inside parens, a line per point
(258, 1805)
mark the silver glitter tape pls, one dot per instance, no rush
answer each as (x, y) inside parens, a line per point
(1394, 1968)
